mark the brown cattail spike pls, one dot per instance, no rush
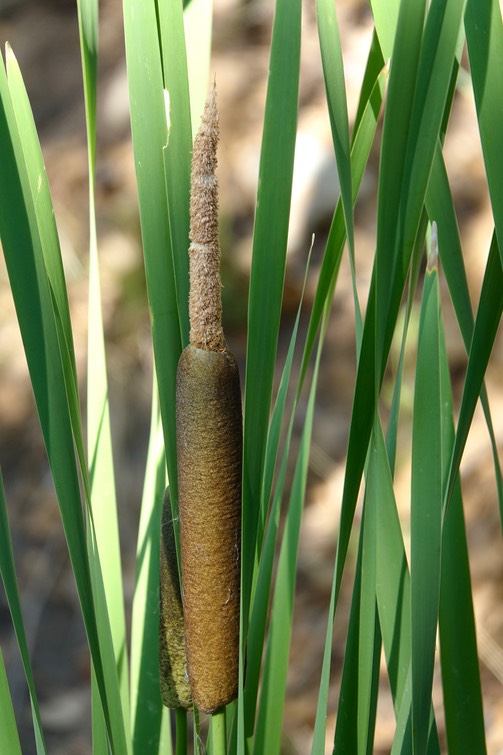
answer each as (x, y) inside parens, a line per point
(174, 679)
(209, 449)
(205, 299)
(209, 443)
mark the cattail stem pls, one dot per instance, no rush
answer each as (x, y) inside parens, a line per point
(181, 732)
(218, 733)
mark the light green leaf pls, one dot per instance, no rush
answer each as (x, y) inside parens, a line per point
(8, 575)
(9, 738)
(104, 526)
(30, 287)
(146, 719)
(149, 130)
(178, 150)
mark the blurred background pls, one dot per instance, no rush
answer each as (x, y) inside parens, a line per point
(44, 37)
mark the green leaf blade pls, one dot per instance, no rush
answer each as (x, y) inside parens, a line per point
(9, 738)
(268, 262)
(464, 715)
(426, 509)
(484, 37)
(149, 130)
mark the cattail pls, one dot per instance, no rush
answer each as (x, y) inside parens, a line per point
(209, 448)
(175, 687)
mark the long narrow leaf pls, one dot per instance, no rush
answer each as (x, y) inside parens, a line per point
(101, 468)
(486, 326)
(426, 507)
(328, 276)
(146, 719)
(8, 575)
(464, 717)
(360, 151)
(356, 717)
(9, 738)
(34, 306)
(178, 150)
(440, 204)
(333, 74)
(270, 714)
(268, 262)
(149, 129)
(420, 135)
(261, 590)
(484, 37)
(394, 600)
(49, 241)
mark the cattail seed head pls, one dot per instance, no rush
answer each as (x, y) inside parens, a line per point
(209, 444)
(209, 450)
(205, 298)
(174, 679)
